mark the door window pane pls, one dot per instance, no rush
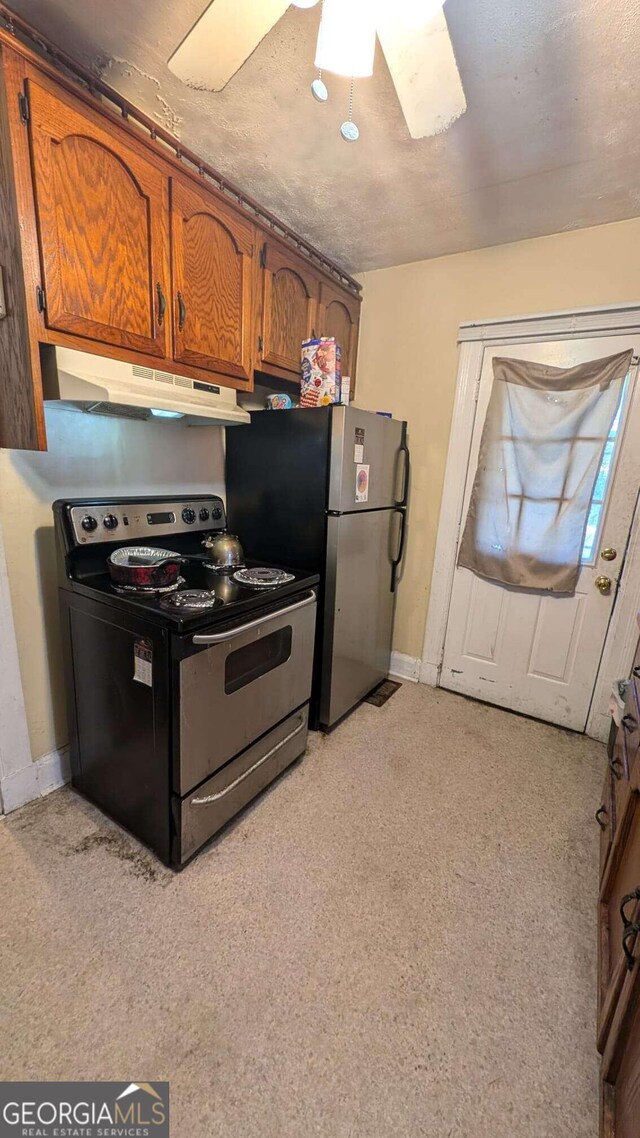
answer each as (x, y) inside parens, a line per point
(594, 522)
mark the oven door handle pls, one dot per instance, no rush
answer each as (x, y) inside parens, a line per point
(220, 637)
(241, 777)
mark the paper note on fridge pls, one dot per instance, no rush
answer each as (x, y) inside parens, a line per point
(362, 483)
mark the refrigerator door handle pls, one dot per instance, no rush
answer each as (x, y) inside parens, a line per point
(404, 449)
(398, 560)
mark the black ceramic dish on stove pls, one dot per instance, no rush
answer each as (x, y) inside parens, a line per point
(142, 567)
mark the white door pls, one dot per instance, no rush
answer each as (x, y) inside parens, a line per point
(538, 653)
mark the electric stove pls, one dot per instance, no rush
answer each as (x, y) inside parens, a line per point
(183, 704)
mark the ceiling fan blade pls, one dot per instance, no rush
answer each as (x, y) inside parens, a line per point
(419, 55)
(226, 34)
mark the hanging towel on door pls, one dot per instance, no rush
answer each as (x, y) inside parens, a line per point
(540, 453)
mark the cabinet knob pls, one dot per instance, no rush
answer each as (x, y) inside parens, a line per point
(603, 584)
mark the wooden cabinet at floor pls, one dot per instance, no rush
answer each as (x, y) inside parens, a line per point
(339, 316)
(620, 1076)
(619, 911)
(290, 295)
(212, 250)
(102, 217)
(619, 930)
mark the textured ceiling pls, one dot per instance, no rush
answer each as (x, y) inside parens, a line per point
(550, 140)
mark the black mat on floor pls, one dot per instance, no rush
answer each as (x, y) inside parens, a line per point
(382, 693)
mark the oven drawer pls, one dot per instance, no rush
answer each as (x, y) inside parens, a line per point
(235, 685)
(214, 803)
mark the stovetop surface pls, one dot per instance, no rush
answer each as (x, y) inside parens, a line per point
(232, 599)
(88, 530)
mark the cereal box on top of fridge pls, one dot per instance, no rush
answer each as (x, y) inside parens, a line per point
(321, 371)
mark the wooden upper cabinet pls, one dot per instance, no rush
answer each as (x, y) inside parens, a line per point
(213, 283)
(340, 317)
(290, 293)
(102, 214)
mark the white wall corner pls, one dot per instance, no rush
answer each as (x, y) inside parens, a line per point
(15, 749)
(35, 779)
(405, 667)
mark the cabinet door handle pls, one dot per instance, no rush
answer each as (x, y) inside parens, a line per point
(182, 311)
(636, 671)
(601, 810)
(162, 305)
(629, 722)
(635, 896)
(629, 935)
(617, 767)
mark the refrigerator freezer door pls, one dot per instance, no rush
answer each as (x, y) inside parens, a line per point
(358, 614)
(366, 466)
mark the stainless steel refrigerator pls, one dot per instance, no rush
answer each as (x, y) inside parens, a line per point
(326, 489)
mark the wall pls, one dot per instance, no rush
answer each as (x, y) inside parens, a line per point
(408, 353)
(87, 455)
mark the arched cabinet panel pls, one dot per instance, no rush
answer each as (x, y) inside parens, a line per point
(102, 217)
(290, 292)
(212, 283)
(340, 317)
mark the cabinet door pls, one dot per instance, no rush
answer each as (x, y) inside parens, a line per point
(620, 1085)
(213, 283)
(103, 223)
(619, 915)
(340, 317)
(290, 293)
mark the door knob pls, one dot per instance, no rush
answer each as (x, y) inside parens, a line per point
(609, 554)
(603, 584)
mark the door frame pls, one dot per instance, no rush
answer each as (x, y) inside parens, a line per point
(473, 337)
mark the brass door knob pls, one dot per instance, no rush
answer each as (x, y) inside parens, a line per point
(609, 554)
(603, 584)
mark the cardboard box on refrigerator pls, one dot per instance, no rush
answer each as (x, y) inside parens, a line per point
(321, 372)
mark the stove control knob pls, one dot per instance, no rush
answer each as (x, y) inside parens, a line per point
(110, 521)
(89, 523)
(188, 515)
(204, 514)
(216, 513)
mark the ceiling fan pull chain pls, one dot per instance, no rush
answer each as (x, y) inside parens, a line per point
(319, 87)
(349, 130)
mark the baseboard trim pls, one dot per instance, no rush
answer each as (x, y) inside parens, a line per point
(429, 674)
(405, 667)
(35, 780)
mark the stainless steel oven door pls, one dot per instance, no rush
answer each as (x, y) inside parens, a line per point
(241, 685)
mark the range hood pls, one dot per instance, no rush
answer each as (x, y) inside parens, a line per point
(101, 386)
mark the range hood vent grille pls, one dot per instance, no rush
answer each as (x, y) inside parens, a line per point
(118, 410)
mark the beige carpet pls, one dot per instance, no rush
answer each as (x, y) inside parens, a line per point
(398, 940)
